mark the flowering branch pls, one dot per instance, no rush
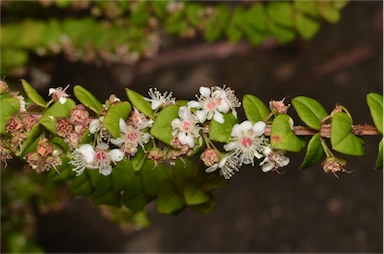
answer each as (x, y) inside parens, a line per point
(131, 152)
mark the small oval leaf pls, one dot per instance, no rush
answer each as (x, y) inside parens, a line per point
(375, 103)
(193, 194)
(169, 200)
(9, 107)
(282, 137)
(315, 152)
(115, 112)
(33, 95)
(162, 128)
(342, 139)
(48, 120)
(87, 99)
(138, 102)
(254, 108)
(310, 111)
(379, 160)
(222, 132)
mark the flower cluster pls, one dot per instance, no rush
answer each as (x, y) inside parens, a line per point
(91, 146)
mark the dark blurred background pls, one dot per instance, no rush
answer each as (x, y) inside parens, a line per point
(298, 211)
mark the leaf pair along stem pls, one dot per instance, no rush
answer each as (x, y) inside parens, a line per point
(325, 130)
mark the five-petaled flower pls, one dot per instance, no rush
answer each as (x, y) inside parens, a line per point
(185, 127)
(247, 141)
(213, 102)
(131, 137)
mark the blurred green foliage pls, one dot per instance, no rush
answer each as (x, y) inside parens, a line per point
(125, 31)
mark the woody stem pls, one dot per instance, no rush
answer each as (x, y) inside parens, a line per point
(325, 130)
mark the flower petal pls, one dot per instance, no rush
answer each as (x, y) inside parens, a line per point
(62, 100)
(194, 104)
(116, 155)
(205, 91)
(89, 156)
(94, 126)
(212, 168)
(123, 126)
(117, 141)
(155, 104)
(218, 117)
(267, 167)
(105, 170)
(201, 115)
(258, 128)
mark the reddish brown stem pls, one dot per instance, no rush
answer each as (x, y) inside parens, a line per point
(325, 131)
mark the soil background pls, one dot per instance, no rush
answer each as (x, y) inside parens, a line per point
(298, 211)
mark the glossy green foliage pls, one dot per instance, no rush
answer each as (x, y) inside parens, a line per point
(310, 111)
(221, 132)
(48, 120)
(87, 99)
(255, 109)
(120, 110)
(9, 107)
(315, 152)
(282, 136)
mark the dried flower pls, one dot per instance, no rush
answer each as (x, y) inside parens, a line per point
(209, 157)
(79, 115)
(334, 165)
(278, 107)
(63, 127)
(59, 94)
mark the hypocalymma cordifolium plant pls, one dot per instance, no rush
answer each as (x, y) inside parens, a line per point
(130, 152)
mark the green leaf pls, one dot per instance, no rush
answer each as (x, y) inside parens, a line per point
(328, 11)
(151, 177)
(162, 128)
(255, 110)
(207, 207)
(282, 137)
(306, 7)
(9, 107)
(138, 102)
(306, 26)
(33, 95)
(310, 111)
(379, 160)
(48, 120)
(181, 171)
(135, 197)
(115, 112)
(33, 135)
(169, 200)
(314, 152)
(104, 192)
(121, 174)
(281, 12)
(193, 194)
(81, 185)
(222, 132)
(257, 17)
(375, 103)
(64, 169)
(282, 35)
(140, 157)
(342, 139)
(87, 99)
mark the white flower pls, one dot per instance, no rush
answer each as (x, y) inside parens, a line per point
(83, 157)
(273, 160)
(157, 99)
(213, 102)
(185, 127)
(96, 126)
(227, 165)
(131, 137)
(103, 158)
(247, 141)
(59, 94)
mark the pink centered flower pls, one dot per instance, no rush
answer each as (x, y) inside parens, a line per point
(185, 127)
(214, 101)
(247, 141)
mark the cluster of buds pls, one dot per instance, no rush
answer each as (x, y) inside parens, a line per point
(18, 127)
(73, 128)
(44, 158)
